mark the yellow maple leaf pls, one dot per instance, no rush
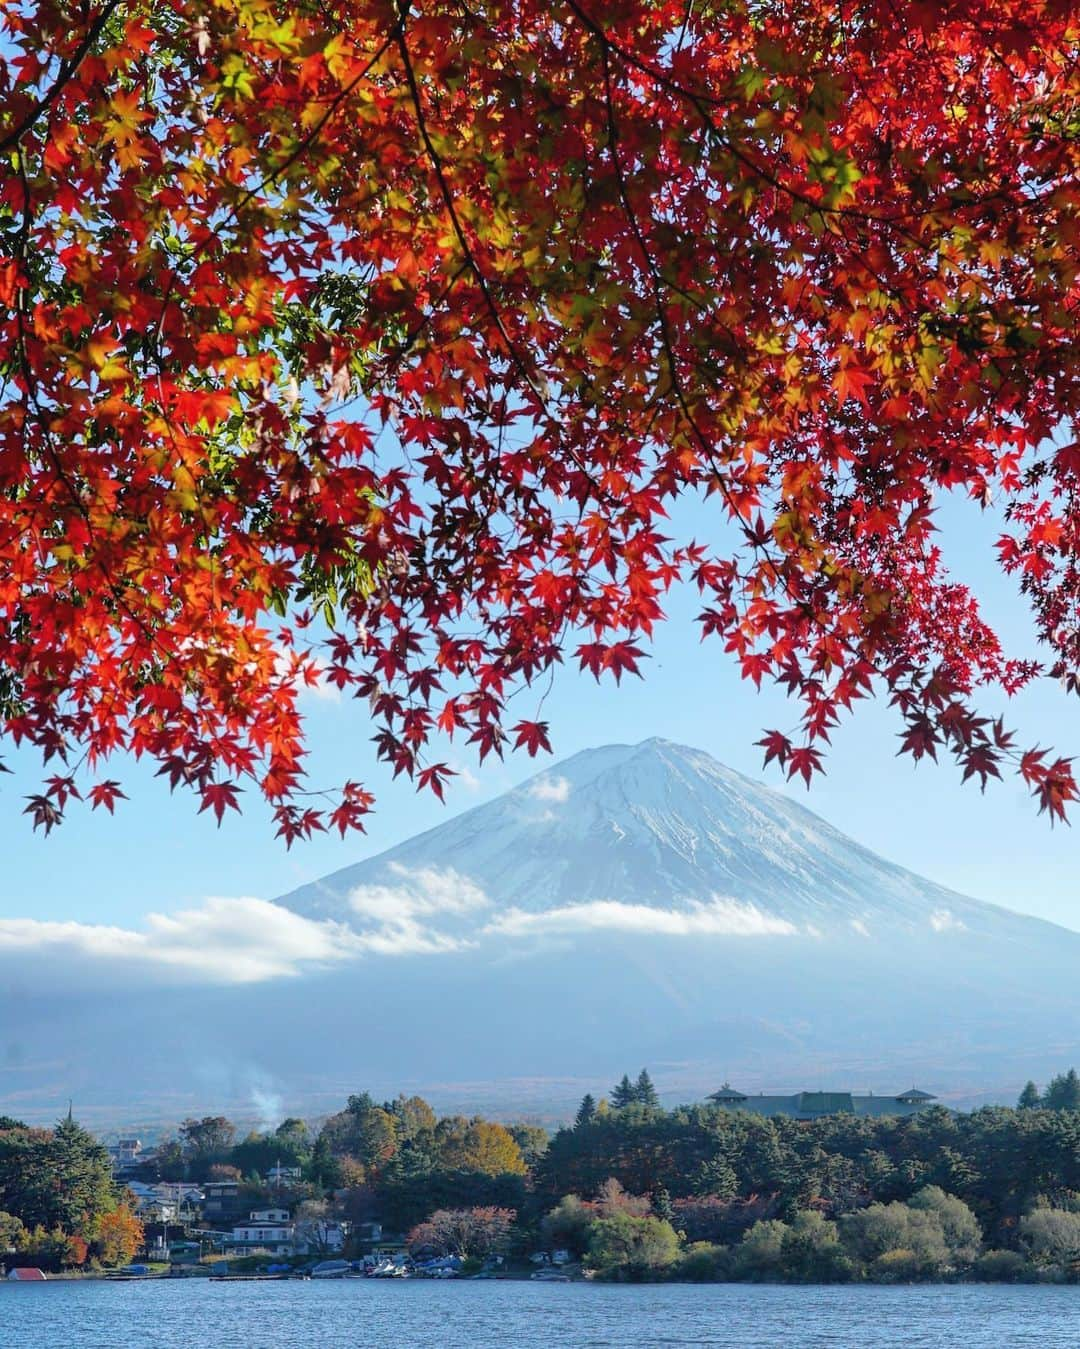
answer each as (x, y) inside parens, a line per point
(126, 116)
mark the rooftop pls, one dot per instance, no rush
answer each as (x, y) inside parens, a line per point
(812, 1104)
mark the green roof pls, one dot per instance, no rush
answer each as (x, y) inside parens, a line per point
(825, 1103)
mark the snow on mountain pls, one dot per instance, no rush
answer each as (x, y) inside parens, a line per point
(657, 825)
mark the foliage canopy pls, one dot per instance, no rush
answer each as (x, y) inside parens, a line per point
(415, 319)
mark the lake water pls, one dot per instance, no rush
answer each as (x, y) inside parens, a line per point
(372, 1314)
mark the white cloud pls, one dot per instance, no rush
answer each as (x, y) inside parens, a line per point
(423, 890)
(944, 920)
(860, 927)
(554, 789)
(396, 911)
(721, 917)
(465, 778)
(225, 941)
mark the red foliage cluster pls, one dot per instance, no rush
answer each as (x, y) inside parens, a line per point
(413, 319)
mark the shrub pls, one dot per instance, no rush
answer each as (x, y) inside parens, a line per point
(1002, 1267)
(1051, 1237)
(760, 1254)
(810, 1251)
(628, 1247)
(897, 1266)
(703, 1262)
(960, 1227)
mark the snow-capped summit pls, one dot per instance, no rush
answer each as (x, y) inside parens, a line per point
(655, 824)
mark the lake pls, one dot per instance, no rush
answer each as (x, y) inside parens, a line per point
(375, 1314)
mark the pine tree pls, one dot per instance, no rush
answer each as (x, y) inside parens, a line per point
(1063, 1093)
(586, 1111)
(661, 1205)
(624, 1093)
(81, 1175)
(1029, 1098)
(645, 1092)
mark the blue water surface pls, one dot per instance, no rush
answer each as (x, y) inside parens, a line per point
(371, 1314)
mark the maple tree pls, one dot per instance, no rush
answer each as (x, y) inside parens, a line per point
(120, 1236)
(371, 342)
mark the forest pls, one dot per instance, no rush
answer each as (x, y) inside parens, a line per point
(633, 1190)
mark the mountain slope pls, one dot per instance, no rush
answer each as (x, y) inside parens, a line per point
(662, 825)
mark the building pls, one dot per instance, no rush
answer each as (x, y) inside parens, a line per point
(268, 1229)
(221, 1201)
(283, 1175)
(816, 1104)
(126, 1155)
(26, 1275)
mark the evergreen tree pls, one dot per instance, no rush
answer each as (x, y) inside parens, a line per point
(661, 1204)
(645, 1092)
(586, 1111)
(1029, 1098)
(623, 1094)
(81, 1178)
(1063, 1093)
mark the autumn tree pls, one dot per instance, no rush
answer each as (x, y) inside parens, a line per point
(489, 1149)
(469, 1233)
(376, 343)
(120, 1237)
(612, 1198)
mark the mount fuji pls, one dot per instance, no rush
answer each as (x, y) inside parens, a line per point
(634, 904)
(660, 825)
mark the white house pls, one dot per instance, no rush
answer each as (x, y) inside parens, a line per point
(267, 1229)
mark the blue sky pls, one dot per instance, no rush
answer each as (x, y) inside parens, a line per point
(158, 855)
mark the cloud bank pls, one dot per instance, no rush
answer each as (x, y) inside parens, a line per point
(397, 918)
(720, 917)
(224, 941)
(414, 911)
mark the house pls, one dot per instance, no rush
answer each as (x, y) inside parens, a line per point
(807, 1105)
(27, 1275)
(221, 1201)
(266, 1230)
(283, 1175)
(368, 1234)
(125, 1155)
